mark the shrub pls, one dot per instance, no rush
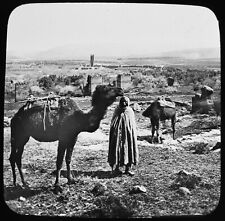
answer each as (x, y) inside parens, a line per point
(209, 82)
(45, 82)
(196, 87)
(57, 89)
(161, 82)
(112, 207)
(136, 81)
(217, 85)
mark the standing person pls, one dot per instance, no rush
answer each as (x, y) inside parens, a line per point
(123, 150)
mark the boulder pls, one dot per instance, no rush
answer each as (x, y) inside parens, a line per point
(170, 81)
(184, 191)
(138, 189)
(206, 92)
(186, 179)
(22, 199)
(202, 148)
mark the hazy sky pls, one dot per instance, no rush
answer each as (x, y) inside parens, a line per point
(120, 28)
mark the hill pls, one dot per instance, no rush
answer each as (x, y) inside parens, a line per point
(77, 52)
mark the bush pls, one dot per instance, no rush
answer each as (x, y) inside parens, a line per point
(45, 82)
(161, 82)
(136, 81)
(217, 85)
(57, 89)
(112, 207)
(196, 87)
(209, 82)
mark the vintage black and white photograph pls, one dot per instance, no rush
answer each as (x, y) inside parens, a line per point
(112, 110)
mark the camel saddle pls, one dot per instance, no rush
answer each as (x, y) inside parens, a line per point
(48, 102)
(165, 102)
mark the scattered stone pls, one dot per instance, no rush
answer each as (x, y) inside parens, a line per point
(201, 148)
(99, 189)
(22, 199)
(62, 214)
(186, 179)
(138, 189)
(184, 191)
(217, 150)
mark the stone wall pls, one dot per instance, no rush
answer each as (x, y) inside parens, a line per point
(124, 81)
(93, 81)
(21, 91)
(202, 103)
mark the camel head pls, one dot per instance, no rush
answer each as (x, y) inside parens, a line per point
(105, 95)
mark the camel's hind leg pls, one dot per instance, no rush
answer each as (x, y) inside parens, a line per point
(153, 130)
(66, 144)
(17, 147)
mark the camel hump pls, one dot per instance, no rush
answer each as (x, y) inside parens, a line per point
(165, 102)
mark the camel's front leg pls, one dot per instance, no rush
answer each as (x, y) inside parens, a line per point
(69, 152)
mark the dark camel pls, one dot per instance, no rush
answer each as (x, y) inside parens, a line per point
(158, 113)
(62, 124)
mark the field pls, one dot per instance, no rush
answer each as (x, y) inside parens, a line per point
(193, 153)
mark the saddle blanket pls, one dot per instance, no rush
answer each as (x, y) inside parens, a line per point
(165, 102)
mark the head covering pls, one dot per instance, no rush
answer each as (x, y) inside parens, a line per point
(124, 103)
(125, 98)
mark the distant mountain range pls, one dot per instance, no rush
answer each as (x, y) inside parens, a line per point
(69, 52)
(205, 53)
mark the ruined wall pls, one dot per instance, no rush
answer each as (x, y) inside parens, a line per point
(21, 91)
(93, 81)
(124, 81)
(9, 90)
(170, 81)
(203, 103)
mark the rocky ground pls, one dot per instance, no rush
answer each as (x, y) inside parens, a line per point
(177, 177)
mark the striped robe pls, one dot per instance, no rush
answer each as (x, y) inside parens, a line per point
(123, 139)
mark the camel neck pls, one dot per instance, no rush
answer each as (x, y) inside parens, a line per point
(94, 117)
